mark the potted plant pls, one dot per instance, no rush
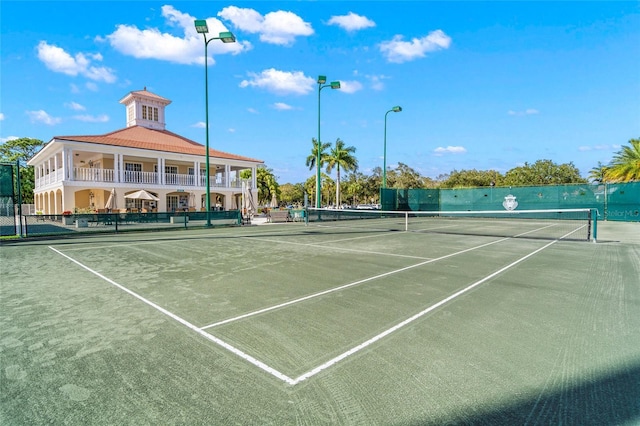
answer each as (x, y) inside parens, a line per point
(67, 218)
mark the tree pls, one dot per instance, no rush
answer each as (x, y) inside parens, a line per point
(543, 172)
(353, 186)
(404, 177)
(292, 193)
(341, 157)
(21, 150)
(598, 173)
(267, 185)
(471, 178)
(625, 165)
(312, 158)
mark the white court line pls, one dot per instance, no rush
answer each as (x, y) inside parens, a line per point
(186, 323)
(342, 287)
(325, 247)
(413, 318)
(335, 360)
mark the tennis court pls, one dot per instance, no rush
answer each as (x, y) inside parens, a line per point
(331, 322)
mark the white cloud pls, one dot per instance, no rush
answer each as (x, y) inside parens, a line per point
(529, 111)
(199, 125)
(376, 81)
(41, 116)
(350, 86)
(253, 111)
(399, 51)
(74, 106)
(92, 119)
(351, 22)
(58, 60)
(280, 27)
(231, 130)
(1, 116)
(595, 148)
(91, 86)
(280, 82)
(449, 150)
(8, 138)
(281, 106)
(186, 48)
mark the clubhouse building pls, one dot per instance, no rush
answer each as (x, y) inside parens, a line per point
(80, 173)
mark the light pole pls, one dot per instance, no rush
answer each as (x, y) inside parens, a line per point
(384, 166)
(226, 37)
(321, 85)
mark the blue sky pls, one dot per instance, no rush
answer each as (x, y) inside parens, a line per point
(483, 85)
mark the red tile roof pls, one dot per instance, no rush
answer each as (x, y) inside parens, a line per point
(153, 140)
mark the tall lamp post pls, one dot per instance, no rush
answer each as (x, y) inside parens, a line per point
(384, 166)
(321, 85)
(226, 37)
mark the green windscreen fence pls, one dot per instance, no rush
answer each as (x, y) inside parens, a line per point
(620, 201)
(7, 200)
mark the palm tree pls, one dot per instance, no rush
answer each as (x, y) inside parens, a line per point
(311, 159)
(340, 157)
(598, 173)
(625, 166)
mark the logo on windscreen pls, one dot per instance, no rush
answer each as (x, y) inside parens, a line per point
(510, 202)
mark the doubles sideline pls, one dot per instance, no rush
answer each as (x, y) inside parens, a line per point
(281, 376)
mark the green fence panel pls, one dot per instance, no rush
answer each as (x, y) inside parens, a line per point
(388, 199)
(623, 201)
(7, 201)
(617, 201)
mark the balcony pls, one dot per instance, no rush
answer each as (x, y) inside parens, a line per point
(110, 176)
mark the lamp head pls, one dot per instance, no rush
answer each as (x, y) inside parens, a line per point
(335, 84)
(201, 26)
(396, 109)
(227, 37)
(322, 79)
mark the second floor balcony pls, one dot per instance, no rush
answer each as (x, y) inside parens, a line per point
(167, 180)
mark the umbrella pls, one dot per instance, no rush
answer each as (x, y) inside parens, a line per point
(111, 201)
(249, 204)
(142, 195)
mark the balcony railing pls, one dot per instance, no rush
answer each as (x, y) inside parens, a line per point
(83, 174)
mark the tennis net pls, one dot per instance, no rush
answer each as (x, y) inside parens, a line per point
(570, 224)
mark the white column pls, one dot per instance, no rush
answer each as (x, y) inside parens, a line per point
(227, 175)
(64, 164)
(254, 177)
(121, 168)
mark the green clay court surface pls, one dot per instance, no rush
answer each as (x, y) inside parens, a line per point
(292, 324)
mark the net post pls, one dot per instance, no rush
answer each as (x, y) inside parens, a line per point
(593, 218)
(406, 221)
(19, 188)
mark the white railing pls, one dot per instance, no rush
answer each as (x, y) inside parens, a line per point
(93, 175)
(84, 174)
(179, 180)
(140, 177)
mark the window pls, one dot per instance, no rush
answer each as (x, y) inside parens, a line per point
(171, 170)
(144, 112)
(155, 114)
(132, 172)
